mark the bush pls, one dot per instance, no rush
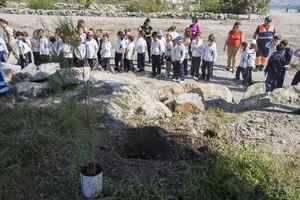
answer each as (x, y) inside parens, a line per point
(3, 3)
(146, 6)
(41, 4)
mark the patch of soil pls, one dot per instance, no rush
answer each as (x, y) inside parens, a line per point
(150, 143)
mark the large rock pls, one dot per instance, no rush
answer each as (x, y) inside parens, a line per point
(209, 91)
(285, 98)
(9, 70)
(255, 89)
(125, 99)
(188, 103)
(25, 75)
(32, 90)
(45, 71)
(73, 76)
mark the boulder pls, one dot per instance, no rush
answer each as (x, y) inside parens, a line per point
(209, 91)
(188, 103)
(32, 90)
(44, 71)
(29, 69)
(285, 98)
(255, 89)
(10, 70)
(73, 76)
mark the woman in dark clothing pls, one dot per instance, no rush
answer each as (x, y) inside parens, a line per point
(147, 29)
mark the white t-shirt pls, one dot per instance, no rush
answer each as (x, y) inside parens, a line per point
(106, 49)
(80, 52)
(120, 45)
(197, 48)
(23, 47)
(209, 53)
(156, 48)
(180, 52)
(35, 42)
(169, 47)
(66, 50)
(91, 49)
(141, 45)
(130, 51)
(44, 46)
(3, 46)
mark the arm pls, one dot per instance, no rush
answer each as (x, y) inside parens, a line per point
(226, 43)
(256, 33)
(215, 54)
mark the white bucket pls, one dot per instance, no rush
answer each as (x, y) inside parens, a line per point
(92, 186)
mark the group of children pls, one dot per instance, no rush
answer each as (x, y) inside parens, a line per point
(170, 50)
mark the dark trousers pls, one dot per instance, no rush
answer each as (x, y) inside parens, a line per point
(296, 79)
(207, 70)
(92, 62)
(239, 71)
(25, 59)
(105, 63)
(78, 62)
(128, 65)
(179, 70)
(281, 77)
(148, 41)
(141, 61)
(44, 59)
(185, 67)
(247, 76)
(69, 62)
(195, 66)
(119, 62)
(156, 65)
(271, 82)
(36, 57)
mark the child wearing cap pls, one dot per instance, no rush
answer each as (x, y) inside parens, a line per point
(209, 57)
(120, 51)
(196, 49)
(106, 53)
(156, 52)
(248, 62)
(180, 52)
(129, 55)
(91, 50)
(141, 46)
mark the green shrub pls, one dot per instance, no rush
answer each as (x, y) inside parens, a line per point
(41, 4)
(147, 6)
(3, 3)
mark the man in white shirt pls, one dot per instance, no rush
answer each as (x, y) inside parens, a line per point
(180, 52)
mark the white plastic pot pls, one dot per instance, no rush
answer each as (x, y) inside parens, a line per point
(91, 186)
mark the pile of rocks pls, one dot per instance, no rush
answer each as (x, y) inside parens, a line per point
(112, 11)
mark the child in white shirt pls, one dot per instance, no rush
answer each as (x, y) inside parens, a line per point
(248, 64)
(66, 50)
(44, 48)
(120, 51)
(24, 50)
(106, 53)
(168, 55)
(3, 50)
(186, 42)
(91, 50)
(156, 52)
(196, 48)
(209, 57)
(35, 43)
(141, 46)
(130, 51)
(180, 53)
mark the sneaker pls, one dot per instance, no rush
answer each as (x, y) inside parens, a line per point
(181, 82)
(195, 78)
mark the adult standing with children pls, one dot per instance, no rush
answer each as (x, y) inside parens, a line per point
(147, 29)
(233, 44)
(264, 36)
